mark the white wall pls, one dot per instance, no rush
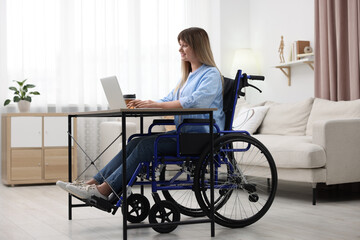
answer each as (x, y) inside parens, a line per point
(234, 31)
(259, 24)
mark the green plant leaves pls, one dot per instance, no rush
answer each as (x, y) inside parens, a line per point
(20, 83)
(21, 93)
(29, 86)
(7, 101)
(16, 99)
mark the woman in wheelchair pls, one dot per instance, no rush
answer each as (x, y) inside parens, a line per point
(201, 86)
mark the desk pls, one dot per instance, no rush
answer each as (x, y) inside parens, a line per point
(148, 112)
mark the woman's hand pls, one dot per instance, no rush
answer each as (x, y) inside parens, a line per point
(143, 104)
(152, 104)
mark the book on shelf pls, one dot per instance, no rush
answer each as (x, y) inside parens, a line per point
(298, 49)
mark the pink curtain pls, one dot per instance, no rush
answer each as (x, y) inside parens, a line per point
(337, 51)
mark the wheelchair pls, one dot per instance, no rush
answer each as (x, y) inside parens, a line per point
(244, 174)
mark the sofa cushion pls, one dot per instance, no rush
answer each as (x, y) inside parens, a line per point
(249, 119)
(328, 110)
(286, 118)
(293, 151)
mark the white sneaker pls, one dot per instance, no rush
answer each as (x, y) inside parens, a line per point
(85, 191)
(63, 185)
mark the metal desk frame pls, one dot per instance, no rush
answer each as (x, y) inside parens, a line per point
(124, 113)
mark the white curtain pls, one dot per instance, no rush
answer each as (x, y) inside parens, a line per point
(65, 46)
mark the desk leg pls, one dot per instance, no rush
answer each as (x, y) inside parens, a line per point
(212, 175)
(69, 166)
(142, 132)
(124, 190)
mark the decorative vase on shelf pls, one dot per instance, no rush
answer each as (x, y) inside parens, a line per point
(24, 106)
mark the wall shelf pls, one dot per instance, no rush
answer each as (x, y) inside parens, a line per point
(286, 67)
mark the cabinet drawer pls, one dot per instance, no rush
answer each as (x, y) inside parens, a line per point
(26, 164)
(56, 163)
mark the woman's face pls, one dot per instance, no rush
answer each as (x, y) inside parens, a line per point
(186, 52)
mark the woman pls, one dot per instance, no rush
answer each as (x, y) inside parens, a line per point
(200, 87)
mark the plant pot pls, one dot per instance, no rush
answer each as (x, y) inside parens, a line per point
(24, 106)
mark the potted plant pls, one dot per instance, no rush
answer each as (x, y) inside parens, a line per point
(22, 96)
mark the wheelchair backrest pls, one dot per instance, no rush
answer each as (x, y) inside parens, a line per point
(231, 94)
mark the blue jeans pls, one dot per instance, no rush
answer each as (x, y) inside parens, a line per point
(137, 150)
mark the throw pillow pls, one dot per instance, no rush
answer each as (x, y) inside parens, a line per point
(249, 119)
(286, 118)
(328, 110)
(243, 104)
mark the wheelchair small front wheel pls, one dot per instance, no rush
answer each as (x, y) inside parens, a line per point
(164, 212)
(245, 172)
(138, 208)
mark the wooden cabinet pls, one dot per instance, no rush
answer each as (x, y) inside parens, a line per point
(34, 148)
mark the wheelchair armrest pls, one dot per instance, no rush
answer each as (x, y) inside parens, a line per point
(160, 122)
(194, 120)
(163, 122)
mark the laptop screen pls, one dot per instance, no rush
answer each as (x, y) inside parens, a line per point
(113, 92)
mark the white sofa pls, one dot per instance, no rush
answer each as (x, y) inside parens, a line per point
(112, 129)
(313, 141)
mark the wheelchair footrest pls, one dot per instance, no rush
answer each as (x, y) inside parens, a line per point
(102, 204)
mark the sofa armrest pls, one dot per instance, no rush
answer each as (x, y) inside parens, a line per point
(340, 140)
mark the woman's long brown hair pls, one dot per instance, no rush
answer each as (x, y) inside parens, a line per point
(198, 40)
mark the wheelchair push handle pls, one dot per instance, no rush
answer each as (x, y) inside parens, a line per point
(245, 82)
(256, 77)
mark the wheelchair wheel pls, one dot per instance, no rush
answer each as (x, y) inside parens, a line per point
(138, 208)
(242, 169)
(163, 212)
(184, 199)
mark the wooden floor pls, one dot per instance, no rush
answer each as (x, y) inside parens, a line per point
(40, 212)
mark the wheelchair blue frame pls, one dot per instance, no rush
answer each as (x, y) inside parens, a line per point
(178, 156)
(195, 167)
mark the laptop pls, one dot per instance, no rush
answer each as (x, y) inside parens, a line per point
(113, 92)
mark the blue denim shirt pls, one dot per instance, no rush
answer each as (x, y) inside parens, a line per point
(203, 89)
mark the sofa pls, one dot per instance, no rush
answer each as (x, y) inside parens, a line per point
(312, 141)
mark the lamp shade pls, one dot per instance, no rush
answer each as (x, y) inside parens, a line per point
(245, 60)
